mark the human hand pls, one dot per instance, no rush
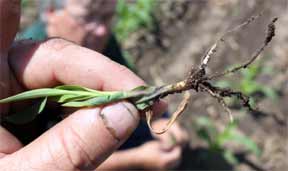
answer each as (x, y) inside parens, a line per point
(85, 138)
(73, 30)
(152, 155)
(175, 136)
(88, 34)
(84, 25)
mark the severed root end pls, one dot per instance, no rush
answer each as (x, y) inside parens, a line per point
(271, 31)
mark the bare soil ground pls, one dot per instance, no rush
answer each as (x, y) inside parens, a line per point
(185, 30)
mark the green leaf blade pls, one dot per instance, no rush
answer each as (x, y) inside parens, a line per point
(33, 94)
(76, 88)
(97, 101)
(42, 105)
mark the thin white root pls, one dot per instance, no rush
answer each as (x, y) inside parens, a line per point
(207, 58)
(212, 50)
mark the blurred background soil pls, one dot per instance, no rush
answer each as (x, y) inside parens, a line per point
(183, 31)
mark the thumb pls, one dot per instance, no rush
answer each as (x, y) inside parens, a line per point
(83, 140)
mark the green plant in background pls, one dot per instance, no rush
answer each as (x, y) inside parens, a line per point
(132, 16)
(25, 3)
(216, 140)
(28, 5)
(249, 85)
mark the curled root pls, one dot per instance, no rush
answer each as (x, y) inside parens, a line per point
(182, 106)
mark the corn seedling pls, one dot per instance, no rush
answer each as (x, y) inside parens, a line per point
(216, 140)
(131, 16)
(249, 85)
(144, 97)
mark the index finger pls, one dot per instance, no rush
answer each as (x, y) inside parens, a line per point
(56, 61)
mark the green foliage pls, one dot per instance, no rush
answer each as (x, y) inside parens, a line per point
(76, 96)
(132, 16)
(250, 86)
(248, 83)
(25, 3)
(42, 105)
(216, 140)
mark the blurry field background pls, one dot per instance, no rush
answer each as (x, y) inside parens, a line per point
(163, 39)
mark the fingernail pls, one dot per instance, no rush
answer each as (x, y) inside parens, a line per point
(120, 119)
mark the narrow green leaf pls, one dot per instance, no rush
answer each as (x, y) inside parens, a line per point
(230, 157)
(71, 87)
(65, 98)
(42, 105)
(33, 94)
(140, 88)
(88, 103)
(85, 103)
(100, 100)
(75, 88)
(247, 142)
(71, 97)
(208, 130)
(117, 96)
(270, 93)
(225, 135)
(204, 135)
(144, 105)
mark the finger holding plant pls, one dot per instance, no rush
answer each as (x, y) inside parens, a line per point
(56, 61)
